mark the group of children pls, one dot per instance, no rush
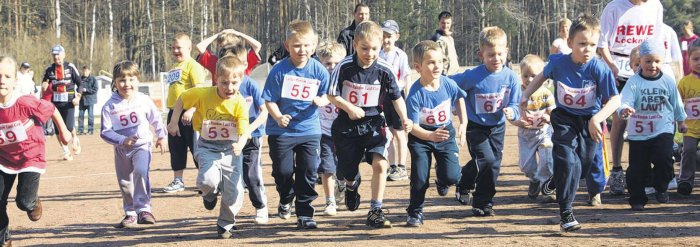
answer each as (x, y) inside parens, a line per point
(325, 116)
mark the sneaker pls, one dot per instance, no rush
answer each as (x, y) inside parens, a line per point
(377, 219)
(127, 222)
(594, 200)
(75, 145)
(35, 214)
(67, 156)
(617, 182)
(662, 197)
(223, 233)
(261, 216)
(533, 190)
(441, 189)
(6, 241)
(146, 218)
(396, 173)
(415, 221)
(673, 184)
(175, 186)
(305, 222)
(483, 212)
(548, 198)
(649, 190)
(352, 197)
(548, 188)
(339, 191)
(637, 207)
(210, 205)
(331, 208)
(568, 223)
(463, 196)
(685, 188)
(284, 211)
(80, 132)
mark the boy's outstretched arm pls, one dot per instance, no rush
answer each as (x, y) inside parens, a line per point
(252, 42)
(608, 109)
(400, 106)
(353, 111)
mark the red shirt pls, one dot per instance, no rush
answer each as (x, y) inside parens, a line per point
(21, 136)
(208, 61)
(684, 48)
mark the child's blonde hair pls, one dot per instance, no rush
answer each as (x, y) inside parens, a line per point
(230, 65)
(123, 69)
(422, 47)
(584, 22)
(234, 50)
(227, 39)
(300, 28)
(634, 57)
(564, 22)
(493, 36)
(183, 37)
(11, 61)
(531, 61)
(368, 30)
(329, 49)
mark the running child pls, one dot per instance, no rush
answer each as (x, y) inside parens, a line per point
(493, 91)
(22, 146)
(582, 83)
(651, 101)
(689, 88)
(223, 39)
(186, 73)
(293, 92)
(329, 55)
(534, 132)
(429, 107)
(359, 85)
(222, 121)
(398, 60)
(127, 118)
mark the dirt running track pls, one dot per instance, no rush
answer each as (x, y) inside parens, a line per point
(82, 204)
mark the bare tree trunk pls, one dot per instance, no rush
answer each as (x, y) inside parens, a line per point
(111, 31)
(153, 39)
(58, 20)
(92, 35)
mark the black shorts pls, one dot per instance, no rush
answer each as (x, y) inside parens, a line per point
(621, 82)
(67, 112)
(392, 117)
(357, 139)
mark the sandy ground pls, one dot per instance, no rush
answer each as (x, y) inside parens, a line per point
(82, 205)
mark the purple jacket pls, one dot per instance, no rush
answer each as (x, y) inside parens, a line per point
(122, 119)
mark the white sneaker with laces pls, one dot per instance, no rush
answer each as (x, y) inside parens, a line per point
(261, 216)
(175, 186)
(331, 208)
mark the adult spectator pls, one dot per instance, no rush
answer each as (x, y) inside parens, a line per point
(25, 80)
(686, 39)
(361, 14)
(87, 102)
(443, 36)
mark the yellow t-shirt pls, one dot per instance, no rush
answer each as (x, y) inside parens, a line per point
(212, 107)
(184, 75)
(689, 88)
(540, 101)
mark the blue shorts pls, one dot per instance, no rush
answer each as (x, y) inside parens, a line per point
(328, 160)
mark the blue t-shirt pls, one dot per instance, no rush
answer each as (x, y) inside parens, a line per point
(253, 97)
(293, 89)
(488, 93)
(433, 109)
(580, 89)
(365, 88)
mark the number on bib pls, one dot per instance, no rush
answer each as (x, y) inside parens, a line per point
(60, 97)
(692, 108)
(14, 132)
(125, 118)
(174, 76)
(535, 118)
(489, 102)
(623, 66)
(361, 95)
(219, 130)
(643, 124)
(328, 113)
(576, 98)
(299, 88)
(436, 116)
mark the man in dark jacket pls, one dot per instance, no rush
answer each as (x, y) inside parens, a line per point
(361, 14)
(87, 101)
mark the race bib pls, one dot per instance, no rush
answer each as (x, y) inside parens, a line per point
(299, 88)
(692, 108)
(328, 112)
(684, 45)
(644, 124)
(576, 98)
(174, 76)
(219, 130)
(361, 95)
(436, 116)
(14, 132)
(489, 102)
(535, 118)
(624, 69)
(60, 97)
(124, 118)
(249, 102)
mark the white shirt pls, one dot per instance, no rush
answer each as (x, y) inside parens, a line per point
(25, 83)
(562, 45)
(399, 64)
(624, 25)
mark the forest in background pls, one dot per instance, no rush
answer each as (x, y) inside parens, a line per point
(98, 33)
